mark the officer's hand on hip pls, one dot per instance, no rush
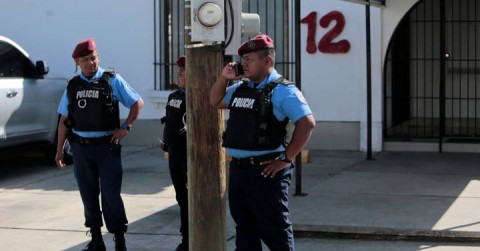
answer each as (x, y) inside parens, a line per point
(118, 135)
(273, 166)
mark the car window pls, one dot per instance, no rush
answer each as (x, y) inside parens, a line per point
(13, 64)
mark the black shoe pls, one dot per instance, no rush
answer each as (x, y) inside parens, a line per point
(182, 247)
(119, 239)
(96, 244)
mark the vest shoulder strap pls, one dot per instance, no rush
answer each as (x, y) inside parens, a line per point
(71, 85)
(270, 86)
(108, 74)
(73, 79)
(243, 84)
(282, 81)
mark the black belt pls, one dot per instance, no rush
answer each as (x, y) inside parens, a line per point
(256, 160)
(87, 141)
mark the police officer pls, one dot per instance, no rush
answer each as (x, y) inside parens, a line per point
(261, 166)
(175, 142)
(89, 112)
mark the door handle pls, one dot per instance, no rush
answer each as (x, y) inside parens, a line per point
(12, 94)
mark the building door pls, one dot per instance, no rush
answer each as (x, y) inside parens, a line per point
(432, 81)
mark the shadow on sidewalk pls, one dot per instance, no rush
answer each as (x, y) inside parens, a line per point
(395, 196)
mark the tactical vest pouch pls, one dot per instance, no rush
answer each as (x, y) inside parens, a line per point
(256, 128)
(91, 105)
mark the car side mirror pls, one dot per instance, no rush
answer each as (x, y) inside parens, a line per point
(42, 68)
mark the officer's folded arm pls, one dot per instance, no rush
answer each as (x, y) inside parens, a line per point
(132, 117)
(301, 134)
(134, 112)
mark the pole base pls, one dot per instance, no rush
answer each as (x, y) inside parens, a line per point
(300, 194)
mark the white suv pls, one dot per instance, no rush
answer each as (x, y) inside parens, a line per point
(28, 101)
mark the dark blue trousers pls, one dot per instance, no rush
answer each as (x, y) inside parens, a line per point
(259, 207)
(98, 171)
(177, 163)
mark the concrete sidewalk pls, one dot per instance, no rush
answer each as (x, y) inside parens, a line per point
(399, 196)
(416, 196)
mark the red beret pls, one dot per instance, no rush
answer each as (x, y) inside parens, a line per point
(84, 48)
(181, 61)
(260, 42)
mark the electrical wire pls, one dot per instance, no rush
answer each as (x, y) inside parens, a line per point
(232, 24)
(222, 46)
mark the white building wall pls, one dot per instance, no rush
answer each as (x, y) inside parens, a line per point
(334, 84)
(123, 30)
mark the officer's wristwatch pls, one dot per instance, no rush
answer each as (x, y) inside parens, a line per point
(126, 126)
(283, 157)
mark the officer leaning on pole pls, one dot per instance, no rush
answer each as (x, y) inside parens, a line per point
(261, 166)
(90, 120)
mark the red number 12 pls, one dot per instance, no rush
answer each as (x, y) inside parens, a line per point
(326, 44)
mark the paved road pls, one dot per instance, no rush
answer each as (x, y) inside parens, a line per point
(40, 209)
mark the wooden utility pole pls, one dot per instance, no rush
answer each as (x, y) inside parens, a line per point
(206, 157)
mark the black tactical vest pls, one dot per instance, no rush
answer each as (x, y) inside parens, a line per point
(91, 105)
(175, 119)
(252, 124)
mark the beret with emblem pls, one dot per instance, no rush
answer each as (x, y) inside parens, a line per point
(84, 48)
(181, 61)
(260, 42)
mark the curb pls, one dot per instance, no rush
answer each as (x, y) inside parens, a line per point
(373, 233)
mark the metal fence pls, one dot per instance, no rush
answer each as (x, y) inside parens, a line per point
(431, 80)
(275, 20)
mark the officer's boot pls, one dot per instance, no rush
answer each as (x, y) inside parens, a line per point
(119, 238)
(96, 244)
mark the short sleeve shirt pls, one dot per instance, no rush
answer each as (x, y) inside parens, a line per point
(122, 92)
(288, 102)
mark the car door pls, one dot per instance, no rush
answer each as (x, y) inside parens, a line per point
(22, 119)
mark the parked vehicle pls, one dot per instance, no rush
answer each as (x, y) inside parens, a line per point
(28, 101)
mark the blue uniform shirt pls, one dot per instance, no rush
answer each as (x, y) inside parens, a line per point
(287, 101)
(122, 92)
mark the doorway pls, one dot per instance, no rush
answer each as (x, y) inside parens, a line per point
(432, 89)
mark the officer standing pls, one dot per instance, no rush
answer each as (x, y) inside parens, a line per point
(261, 165)
(89, 112)
(175, 143)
